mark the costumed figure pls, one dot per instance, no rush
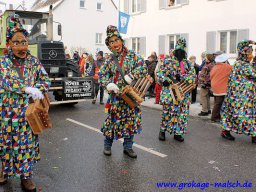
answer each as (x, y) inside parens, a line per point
(122, 121)
(239, 107)
(22, 76)
(175, 112)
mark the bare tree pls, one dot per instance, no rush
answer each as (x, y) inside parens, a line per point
(80, 50)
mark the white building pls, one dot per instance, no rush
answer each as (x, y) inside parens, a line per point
(208, 25)
(84, 22)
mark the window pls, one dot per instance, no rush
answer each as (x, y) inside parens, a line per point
(163, 4)
(228, 41)
(225, 41)
(172, 41)
(135, 6)
(99, 38)
(136, 45)
(173, 3)
(233, 41)
(82, 3)
(99, 6)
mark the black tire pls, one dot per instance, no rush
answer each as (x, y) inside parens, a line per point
(74, 67)
(58, 95)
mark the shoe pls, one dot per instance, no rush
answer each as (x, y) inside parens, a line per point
(28, 185)
(93, 101)
(209, 112)
(203, 113)
(102, 103)
(161, 136)
(130, 153)
(254, 140)
(3, 181)
(178, 138)
(107, 151)
(227, 135)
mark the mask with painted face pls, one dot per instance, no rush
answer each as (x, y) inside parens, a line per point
(19, 45)
(16, 37)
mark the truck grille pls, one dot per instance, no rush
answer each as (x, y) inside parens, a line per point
(52, 51)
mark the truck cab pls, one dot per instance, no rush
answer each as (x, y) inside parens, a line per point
(62, 71)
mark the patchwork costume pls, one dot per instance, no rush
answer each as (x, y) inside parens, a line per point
(122, 121)
(239, 107)
(19, 147)
(175, 113)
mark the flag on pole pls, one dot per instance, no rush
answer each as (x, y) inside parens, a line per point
(123, 22)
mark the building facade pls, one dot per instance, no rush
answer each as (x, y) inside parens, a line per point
(207, 25)
(84, 23)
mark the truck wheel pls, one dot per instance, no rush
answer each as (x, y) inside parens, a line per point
(74, 67)
(58, 95)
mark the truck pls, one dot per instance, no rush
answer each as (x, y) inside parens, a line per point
(67, 85)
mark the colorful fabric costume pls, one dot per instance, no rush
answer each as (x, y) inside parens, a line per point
(122, 121)
(175, 113)
(19, 147)
(239, 107)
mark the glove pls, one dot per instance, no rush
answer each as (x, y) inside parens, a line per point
(128, 78)
(35, 93)
(112, 87)
(166, 83)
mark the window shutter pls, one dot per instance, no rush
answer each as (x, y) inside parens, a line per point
(186, 36)
(211, 41)
(162, 4)
(143, 6)
(162, 40)
(243, 34)
(184, 2)
(143, 46)
(126, 6)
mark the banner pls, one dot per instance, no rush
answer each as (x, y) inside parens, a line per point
(123, 22)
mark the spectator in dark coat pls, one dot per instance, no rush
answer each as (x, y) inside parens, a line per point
(95, 72)
(205, 83)
(151, 71)
(192, 59)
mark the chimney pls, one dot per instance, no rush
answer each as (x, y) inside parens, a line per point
(11, 6)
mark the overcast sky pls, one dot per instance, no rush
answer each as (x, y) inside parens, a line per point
(29, 3)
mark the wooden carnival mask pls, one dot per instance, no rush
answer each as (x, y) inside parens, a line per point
(19, 45)
(116, 44)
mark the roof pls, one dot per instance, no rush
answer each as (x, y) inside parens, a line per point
(43, 5)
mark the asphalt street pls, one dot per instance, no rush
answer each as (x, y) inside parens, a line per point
(72, 158)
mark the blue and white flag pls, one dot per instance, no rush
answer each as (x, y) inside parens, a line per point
(123, 22)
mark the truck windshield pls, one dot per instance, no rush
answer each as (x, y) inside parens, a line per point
(37, 28)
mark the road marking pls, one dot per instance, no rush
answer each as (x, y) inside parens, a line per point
(149, 150)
